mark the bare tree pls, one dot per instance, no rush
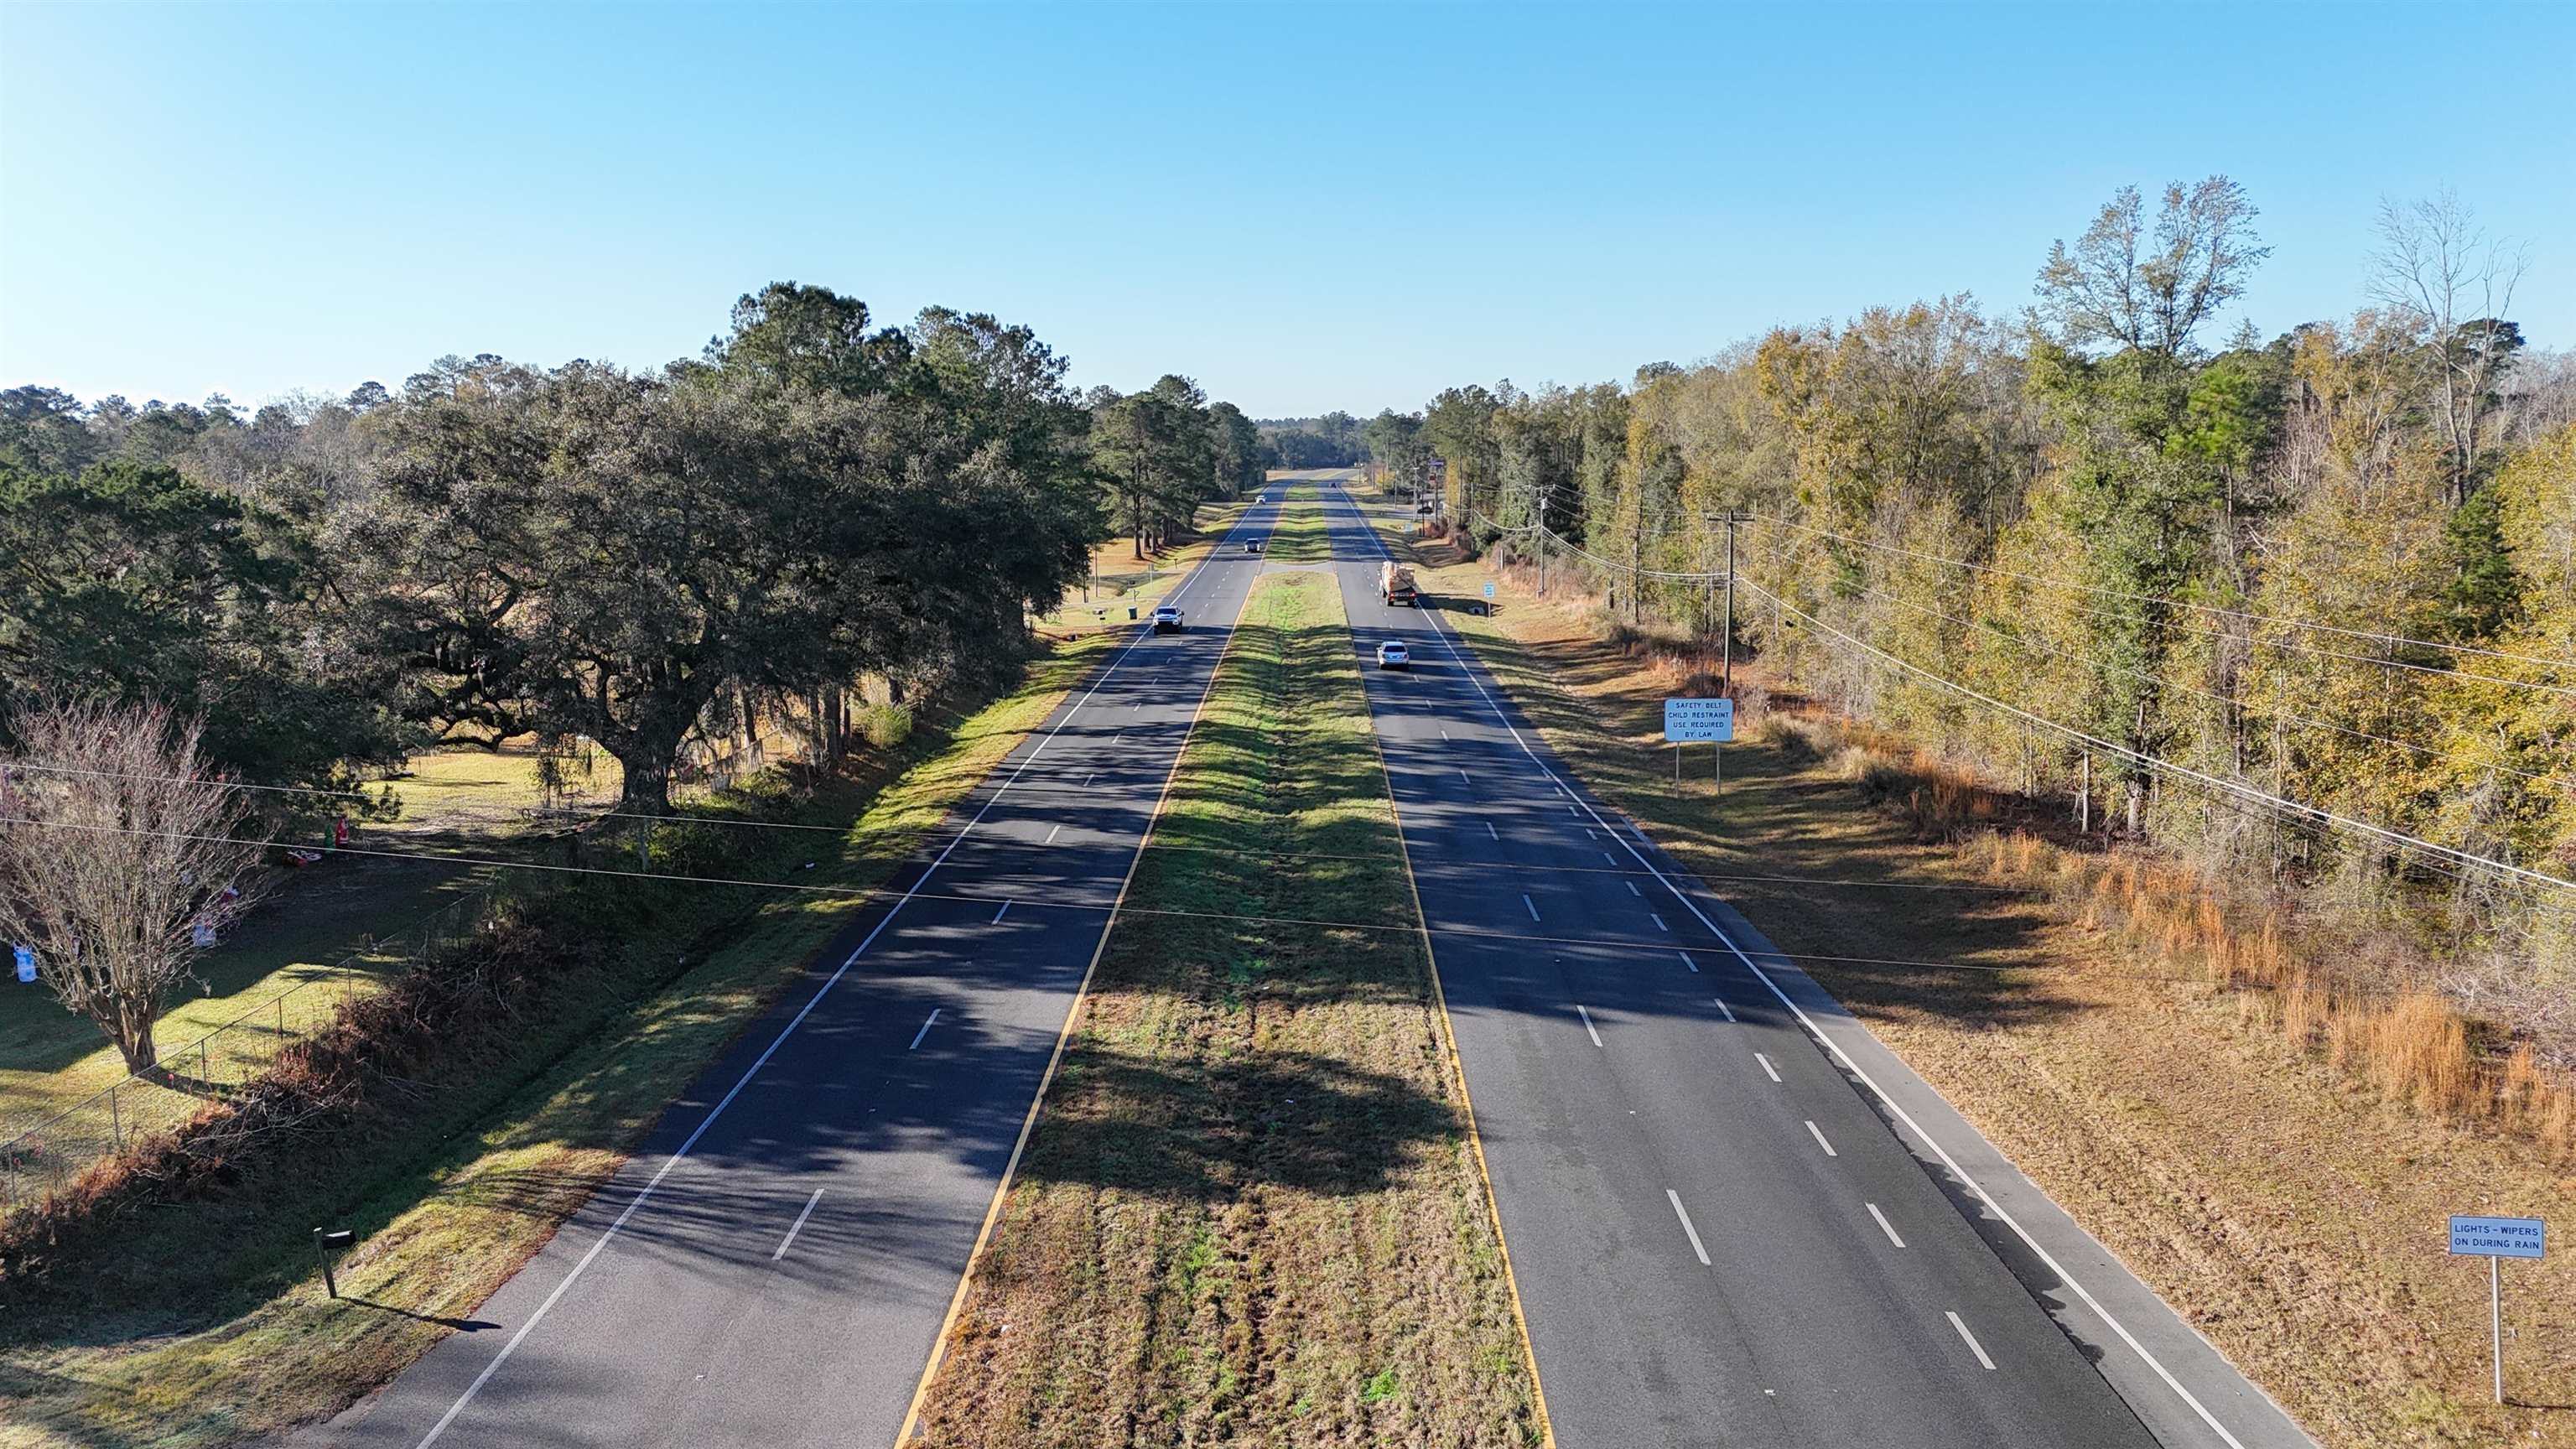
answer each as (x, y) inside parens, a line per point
(119, 853)
(2440, 270)
(2151, 293)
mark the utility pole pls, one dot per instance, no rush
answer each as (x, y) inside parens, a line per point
(1542, 545)
(1726, 640)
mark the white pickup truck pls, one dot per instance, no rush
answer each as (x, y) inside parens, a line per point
(1167, 620)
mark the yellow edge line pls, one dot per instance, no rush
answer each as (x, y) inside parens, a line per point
(1458, 1069)
(1072, 1015)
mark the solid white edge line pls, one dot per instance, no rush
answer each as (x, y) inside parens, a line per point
(1974, 1347)
(1769, 1070)
(1883, 1225)
(2046, 1258)
(789, 1241)
(681, 1153)
(1691, 1232)
(1587, 1024)
(925, 1030)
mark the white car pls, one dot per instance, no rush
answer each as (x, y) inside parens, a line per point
(1393, 655)
(1167, 620)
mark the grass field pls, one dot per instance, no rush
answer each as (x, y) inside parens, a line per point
(2295, 1218)
(238, 1342)
(1249, 1213)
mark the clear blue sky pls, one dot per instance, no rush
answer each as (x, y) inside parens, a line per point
(1302, 207)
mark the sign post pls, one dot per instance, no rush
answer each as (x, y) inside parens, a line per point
(1691, 720)
(2496, 1239)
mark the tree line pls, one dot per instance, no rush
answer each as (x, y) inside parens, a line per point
(2335, 564)
(1330, 441)
(494, 551)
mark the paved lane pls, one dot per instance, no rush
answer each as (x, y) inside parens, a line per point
(772, 1269)
(1719, 1234)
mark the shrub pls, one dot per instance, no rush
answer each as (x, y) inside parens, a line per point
(885, 726)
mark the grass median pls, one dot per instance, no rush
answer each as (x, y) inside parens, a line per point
(1250, 1211)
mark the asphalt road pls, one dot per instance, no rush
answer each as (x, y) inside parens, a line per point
(773, 1267)
(1719, 1234)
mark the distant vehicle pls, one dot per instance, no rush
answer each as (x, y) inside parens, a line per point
(1252, 545)
(1395, 584)
(1167, 620)
(1423, 506)
(1392, 655)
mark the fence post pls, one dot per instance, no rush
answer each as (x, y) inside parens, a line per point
(115, 1125)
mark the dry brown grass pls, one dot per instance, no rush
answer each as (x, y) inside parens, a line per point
(1249, 1213)
(2404, 1041)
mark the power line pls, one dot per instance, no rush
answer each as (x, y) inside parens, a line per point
(389, 785)
(2372, 636)
(2281, 714)
(1160, 844)
(1630, 569)
(2161, 682)
(2396, 639)
(2277, 806)
(1112, 908)
(2380, 832)
(2251, 640)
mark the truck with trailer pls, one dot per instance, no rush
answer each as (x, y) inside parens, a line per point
(1395, 584)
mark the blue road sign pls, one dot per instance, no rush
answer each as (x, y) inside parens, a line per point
(1489, 590)
(2499, 1237)
(1691, 721)
(26, 958)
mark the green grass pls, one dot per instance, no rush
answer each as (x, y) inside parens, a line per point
(313, 940)
(1301, 535)
(1249, 1212)
(326, 931)
(209, 1331)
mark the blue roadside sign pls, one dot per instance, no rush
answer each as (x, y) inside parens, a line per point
(2499, 1237)
(1489, 588)
(1692, 721)
(26, 957)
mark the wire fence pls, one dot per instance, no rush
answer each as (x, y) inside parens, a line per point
(41, 1160)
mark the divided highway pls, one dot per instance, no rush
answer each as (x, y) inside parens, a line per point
(773, 1267)
(1718, 1234)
